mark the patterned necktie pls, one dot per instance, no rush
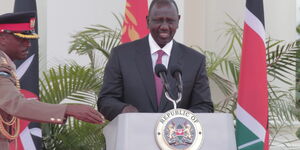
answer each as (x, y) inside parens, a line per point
(158, 83)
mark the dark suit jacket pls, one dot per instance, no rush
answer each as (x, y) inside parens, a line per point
(129, 79)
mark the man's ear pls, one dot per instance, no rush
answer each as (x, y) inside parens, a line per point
(2, 39)
(147, 20)
(178, 21)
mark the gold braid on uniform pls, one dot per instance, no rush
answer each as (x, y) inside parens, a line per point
(14, 123)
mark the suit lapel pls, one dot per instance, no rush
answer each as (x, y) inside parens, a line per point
(144, 65)
(176, 58)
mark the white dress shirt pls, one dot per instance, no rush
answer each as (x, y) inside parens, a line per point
(154, 47)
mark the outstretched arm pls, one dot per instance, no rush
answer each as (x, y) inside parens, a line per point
(12, 102)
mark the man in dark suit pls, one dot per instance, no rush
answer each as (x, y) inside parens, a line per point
(129, 81)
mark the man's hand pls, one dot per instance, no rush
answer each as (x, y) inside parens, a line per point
(85, 113)
(129, 108)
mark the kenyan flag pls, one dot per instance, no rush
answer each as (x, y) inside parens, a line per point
(252, 108)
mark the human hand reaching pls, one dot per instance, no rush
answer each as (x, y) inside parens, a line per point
(85, 113)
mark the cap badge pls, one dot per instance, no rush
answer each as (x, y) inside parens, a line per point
(32, 23)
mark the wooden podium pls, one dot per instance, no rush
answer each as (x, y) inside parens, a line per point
(136, 131)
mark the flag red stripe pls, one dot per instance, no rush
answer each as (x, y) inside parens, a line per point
(12, 145)
(266, 144)
(135, 24)
(253, 94)
(23, 123)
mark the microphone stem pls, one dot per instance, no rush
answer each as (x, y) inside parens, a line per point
(170, 99)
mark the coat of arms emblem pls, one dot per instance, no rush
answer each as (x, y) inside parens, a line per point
(179, 129)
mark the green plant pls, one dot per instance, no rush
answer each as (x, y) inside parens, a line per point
(75, 83)
(297, 109)
(223, 69)
(96, 39)
(71, 83)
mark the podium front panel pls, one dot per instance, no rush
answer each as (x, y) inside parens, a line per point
(136, 131)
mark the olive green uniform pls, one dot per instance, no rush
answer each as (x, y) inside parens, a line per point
(13, 103)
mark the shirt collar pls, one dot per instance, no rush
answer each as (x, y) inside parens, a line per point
(154, 46)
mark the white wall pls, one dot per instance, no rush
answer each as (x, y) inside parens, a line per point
(281, 19)
(205, 22)
(66, 17)
(201, 24)
(6, 6)
(298, 12)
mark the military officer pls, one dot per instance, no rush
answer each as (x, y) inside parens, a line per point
(15, 31)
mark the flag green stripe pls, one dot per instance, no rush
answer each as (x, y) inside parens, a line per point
(256, 146)
(251, 123)
(244, 135)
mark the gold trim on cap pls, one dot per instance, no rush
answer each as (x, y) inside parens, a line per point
(31, 36)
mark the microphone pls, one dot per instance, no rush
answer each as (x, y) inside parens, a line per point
(176, 73)
(161, 71)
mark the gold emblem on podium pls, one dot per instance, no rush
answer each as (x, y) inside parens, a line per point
(179, 129)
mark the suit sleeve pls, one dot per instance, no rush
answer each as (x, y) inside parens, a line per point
(201, 96)
(13, 103)
(110, 102)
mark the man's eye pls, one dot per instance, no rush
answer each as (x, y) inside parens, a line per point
(157, 20)
(171, 21)
(168, 21)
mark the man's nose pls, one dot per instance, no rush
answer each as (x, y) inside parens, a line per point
(26, 43)
(164, 26)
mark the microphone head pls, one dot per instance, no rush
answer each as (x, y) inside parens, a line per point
(175, 69)
(160, 68)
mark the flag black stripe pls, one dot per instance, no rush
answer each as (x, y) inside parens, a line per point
(24, 5)
(30, 80)
(36, 140)
(256, 7)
